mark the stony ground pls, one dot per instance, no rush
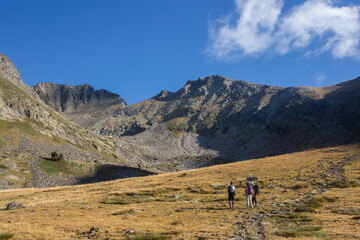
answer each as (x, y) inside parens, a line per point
(305, 195)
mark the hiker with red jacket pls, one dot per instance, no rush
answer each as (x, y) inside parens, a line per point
(248, 195)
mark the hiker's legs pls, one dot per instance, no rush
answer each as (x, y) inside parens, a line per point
(231, 200)
(254, 201)
(248, 201)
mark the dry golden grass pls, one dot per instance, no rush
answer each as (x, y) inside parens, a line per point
(193, 204)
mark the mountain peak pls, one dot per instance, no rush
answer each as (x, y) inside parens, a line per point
(68, 98)
(10, 72)
(208, 86)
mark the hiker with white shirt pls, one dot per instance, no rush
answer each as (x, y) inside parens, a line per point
(231, 192)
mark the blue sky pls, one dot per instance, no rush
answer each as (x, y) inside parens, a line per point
(138, 48)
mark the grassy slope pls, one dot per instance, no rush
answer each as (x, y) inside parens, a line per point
(41, 131)
(147, 205)
(30, 127)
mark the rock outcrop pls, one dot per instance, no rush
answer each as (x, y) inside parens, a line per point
(82, 104)
(9, 71)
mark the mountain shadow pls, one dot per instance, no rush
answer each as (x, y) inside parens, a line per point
(110, 172)
(294, 119)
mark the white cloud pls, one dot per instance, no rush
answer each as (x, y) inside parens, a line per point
(261, 26)
(253, 30)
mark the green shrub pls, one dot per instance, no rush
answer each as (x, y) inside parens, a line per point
(328, 199)
(301, 231)
(173, 199)
(286, 233)
(347, 211)
(342, 184)
(6, 235)
(300, 186)
(177, 127)
(180, 210)
(313, 204)
(296, 218)
(54, 156)
(177, 222)
(60, 166)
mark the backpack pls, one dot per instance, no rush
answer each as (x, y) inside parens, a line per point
(257, 189)
(249, 190)
(231, 189)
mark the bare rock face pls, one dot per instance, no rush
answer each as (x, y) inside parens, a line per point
(9, 71)
(82, 104)
(11, 84)
(215, 120)
(66, 98)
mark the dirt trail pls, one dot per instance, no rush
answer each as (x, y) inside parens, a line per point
(253, 227)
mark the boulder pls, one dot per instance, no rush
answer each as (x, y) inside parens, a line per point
(13, 205)
(251, 178)
(4, 184)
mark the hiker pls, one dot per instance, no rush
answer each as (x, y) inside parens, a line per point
(255, 193)
(248, 194)
(231, 192)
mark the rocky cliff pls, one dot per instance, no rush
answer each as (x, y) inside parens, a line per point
(82, 104)
(10, 72)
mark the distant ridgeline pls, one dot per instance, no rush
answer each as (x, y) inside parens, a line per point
(209, 121)
(216, 120)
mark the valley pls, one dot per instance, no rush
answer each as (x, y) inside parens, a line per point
(306, 195)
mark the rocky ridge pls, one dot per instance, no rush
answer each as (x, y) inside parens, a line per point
(216, 120)
(82, 104)
(9, 71)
